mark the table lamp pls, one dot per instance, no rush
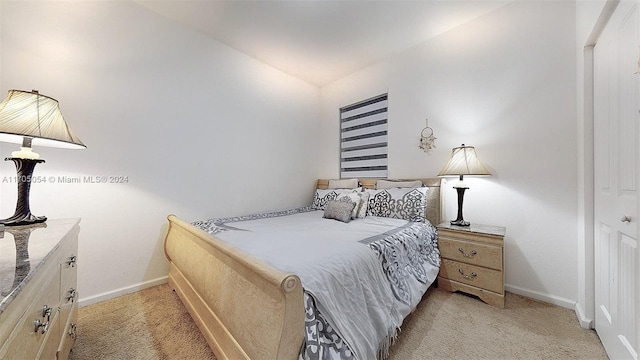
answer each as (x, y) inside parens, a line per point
(30, 118)
(463, 161)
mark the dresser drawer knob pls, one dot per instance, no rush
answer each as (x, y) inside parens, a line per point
(473, 275)
(471, 254)
(46, 311)
(71, 261)
(72, 295)
(44, 325)
(72, 330)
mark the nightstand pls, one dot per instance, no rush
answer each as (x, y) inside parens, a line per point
(472, 261)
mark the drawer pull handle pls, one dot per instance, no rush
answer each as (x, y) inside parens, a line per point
(44, 325)
(46, 311)
(473, 275)
(72, 330)
(71, 261)
(72, 295)
(471, 254)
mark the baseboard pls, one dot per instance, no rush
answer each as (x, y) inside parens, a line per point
(121, 291)
(585, 322)
(555, 300)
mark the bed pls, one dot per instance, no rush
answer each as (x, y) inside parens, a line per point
(256, 295)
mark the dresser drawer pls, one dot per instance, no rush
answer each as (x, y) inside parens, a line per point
(25, 341)
(49, 348)
(68, 334)
(480, 277)
(471, 252)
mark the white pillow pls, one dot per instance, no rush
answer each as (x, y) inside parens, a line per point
(390, 184)
(400, 203)
(343, 183)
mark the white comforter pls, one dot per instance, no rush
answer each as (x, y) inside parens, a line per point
(343, 275)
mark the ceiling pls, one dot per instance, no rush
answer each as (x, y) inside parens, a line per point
(321, 41)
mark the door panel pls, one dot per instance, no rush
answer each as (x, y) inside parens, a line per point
(616, 133)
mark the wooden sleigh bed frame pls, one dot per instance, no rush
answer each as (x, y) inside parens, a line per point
(244, 307)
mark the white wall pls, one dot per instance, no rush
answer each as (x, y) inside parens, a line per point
(506, 84)
(199, 129)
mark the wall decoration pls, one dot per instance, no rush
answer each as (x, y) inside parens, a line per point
(427, 140)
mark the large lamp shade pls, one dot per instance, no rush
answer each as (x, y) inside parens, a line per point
(30, 118)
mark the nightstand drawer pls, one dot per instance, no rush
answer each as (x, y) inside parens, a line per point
(471, 253)
(472, 275)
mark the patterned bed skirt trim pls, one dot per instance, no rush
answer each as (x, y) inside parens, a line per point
(216, 225)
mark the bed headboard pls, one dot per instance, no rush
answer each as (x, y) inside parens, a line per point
(435, 213)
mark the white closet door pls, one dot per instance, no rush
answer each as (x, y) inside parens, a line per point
(617, 157)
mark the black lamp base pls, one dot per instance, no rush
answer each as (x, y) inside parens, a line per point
(23, 216)
(23, 219)
(459, 221)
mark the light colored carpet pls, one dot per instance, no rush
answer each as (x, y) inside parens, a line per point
(152, 324)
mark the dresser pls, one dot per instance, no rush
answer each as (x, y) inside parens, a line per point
(472, 261)
(38, 278)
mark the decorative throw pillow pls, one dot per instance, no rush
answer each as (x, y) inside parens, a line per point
(343, 183)
(338, 210)
(321, 196)
(361, 212)
(400, 203)
(390, 184)
(353, 198)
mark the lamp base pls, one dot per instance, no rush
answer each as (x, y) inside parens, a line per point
(460, 222)
(23, 216)
(23, 219)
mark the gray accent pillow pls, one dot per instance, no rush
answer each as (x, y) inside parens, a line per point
(338, 210)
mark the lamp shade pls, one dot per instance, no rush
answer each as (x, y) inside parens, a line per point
(464, 161)
(29, 114)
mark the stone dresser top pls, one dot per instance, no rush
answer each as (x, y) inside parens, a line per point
(24, 249)
(476, 228)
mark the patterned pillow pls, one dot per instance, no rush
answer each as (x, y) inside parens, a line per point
(321, 197)
(361, 212)
(352, 198)
(338, 210)
(400, 203)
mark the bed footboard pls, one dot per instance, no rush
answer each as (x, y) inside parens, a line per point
(245, 308)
